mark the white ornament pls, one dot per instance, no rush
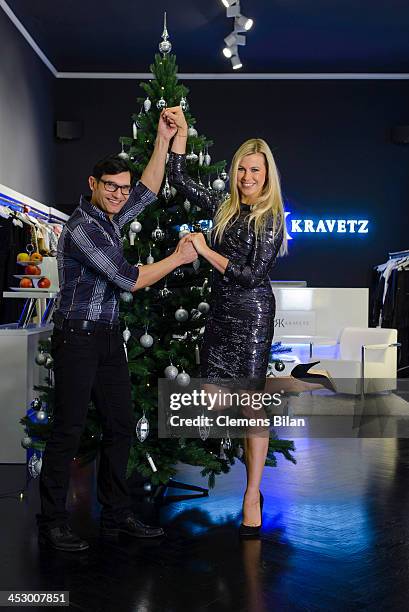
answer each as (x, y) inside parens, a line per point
(187, 205)
(135, 227)
(192, 156)
(201, 158)
(196, 264)
(158, 234)
(204, 428)
(26, 442)
(171, 372)
(192, 132)
(207, 159)
(41, 358)
(183, 104)
(203, 307)
(134, 130)
(151, 462)
(123, 154)
(165, 46)
(164, 292)
(147, 104)
(126, 334)
(132, 237)
(218, 185)
(41, 415)
(166, 191)
(142, 428)
(150, 259)
(34, 466)
(223, 175)
(161, 104)
(183, 379)
(146, 340)
(126, 296)
(181, 315)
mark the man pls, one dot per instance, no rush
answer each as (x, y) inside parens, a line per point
(87, 345)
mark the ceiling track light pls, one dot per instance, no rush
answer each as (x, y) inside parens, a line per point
(230, 51)
(233, 11)
(235, 39)
(242, 23)
(235, 62)
(228, 3)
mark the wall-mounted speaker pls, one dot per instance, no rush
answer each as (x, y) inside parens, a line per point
(68, 130)
(400, 134)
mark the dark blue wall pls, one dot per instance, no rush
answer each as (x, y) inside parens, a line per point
(331, 143)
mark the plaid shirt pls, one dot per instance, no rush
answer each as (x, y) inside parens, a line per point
(92, 269)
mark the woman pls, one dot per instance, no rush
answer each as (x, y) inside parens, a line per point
(248, 234)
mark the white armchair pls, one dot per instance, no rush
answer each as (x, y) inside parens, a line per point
(366, 360)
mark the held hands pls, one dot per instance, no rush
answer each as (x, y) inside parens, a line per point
(186, 251)
(176, 120)
(199, 242)
(166, 129)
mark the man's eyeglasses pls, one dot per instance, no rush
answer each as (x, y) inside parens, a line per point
(112, 187)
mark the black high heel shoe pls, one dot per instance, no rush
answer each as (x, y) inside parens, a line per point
(246, 531)
(301, 371)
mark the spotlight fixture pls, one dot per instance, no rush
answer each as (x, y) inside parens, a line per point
(235, 39)
(242, 23)
(228, 3)
(230, 51)
(233, 10)
(236, 63)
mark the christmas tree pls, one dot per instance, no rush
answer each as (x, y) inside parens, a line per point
(163, 324)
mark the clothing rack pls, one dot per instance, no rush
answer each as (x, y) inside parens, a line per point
(20, 203)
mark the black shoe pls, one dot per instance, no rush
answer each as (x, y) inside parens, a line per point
(132, 527)
(62, 538)
(246, 531)
(301, 371)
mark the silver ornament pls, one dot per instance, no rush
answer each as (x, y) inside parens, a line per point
(135, 227)
(171, 372)
(26, 442)
(131, 236)
(147, 487)
(126, 334)
(165, 45)
(41, 358)
(147, 288)
(195, 314)
(151, 462)
(160, 104)
(192, 157)
(183, 104)
(166, 191)
(123, 155)
(196, 264)
(184, 232)
(49, 362)
(218, 185)
(164, 292)
(187, 205)
(146, 340)
(173, 191)
(209, 185)
(126, 296)
(147, 104)
(158, 234)
(139, 264)
(223, 175)
(183, 379)
(150, 260)
(142, 428)
(207, 159)
(34, 466)
(134, 130)
(41, 415)
(204, 428)
(181, 315)
(201, 158)
(192, 132)
(203, 307)
(178, 272)
(37, 403)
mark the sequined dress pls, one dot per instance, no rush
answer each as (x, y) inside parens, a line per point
(240, 324)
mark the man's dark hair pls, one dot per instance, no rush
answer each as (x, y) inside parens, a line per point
(113, 164)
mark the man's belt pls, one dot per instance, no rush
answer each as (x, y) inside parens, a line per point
(62, 323)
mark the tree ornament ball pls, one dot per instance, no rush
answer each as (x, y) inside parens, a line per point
(150, 259)
(192, 132)
(26, 442)
(223, 175)
(41, 358)
(195, 314)
(158, 234)
(183, 379)
(36, 404)
(147, 104)
(279, 366)
(126, 296)
(164, 292)
(41, 415)
(136, 227)
(161, 104)
(218, 184)
(203, 307)
(171, 372)
(183, 104)
(165, 47)
(181, 315)
(146, 340)
(126, 334)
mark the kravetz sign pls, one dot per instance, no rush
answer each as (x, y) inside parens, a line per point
(294, 322)
(325, 226)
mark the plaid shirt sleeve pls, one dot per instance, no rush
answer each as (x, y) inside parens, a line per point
(140, 197)
(91, 247)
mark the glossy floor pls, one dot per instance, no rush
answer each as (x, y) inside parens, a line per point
(335, 537)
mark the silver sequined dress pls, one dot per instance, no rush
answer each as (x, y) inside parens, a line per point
(240, 325)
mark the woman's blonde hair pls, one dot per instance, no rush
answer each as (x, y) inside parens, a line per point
(268, 207)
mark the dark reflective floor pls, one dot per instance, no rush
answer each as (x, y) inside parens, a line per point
(335, 537)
